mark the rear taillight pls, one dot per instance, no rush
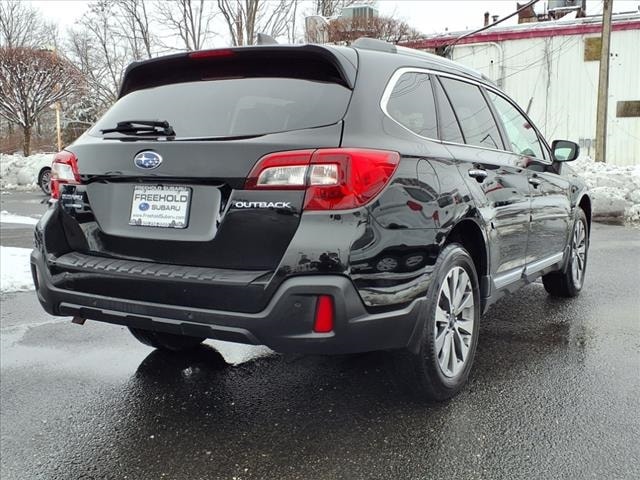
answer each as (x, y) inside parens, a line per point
(64, 170)
(282, 170)
(334, 178)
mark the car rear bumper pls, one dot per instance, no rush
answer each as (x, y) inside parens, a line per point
(284, 325)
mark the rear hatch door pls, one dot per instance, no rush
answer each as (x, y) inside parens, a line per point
(180, 199)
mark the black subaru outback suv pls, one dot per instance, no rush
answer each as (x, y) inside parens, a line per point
(314, 199)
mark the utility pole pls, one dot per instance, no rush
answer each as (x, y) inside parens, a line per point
(603, 84)
(58, 129)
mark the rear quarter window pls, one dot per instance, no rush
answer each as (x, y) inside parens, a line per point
(233, 107)
(411, 104)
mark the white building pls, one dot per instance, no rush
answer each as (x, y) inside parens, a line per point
(551, 69)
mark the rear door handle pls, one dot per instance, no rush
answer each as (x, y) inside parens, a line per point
(478, 173)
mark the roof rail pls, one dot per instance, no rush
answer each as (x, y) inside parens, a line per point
(366, 43)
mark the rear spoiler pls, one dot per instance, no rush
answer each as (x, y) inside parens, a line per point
(309, 62)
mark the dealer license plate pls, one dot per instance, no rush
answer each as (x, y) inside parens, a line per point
(164, 206)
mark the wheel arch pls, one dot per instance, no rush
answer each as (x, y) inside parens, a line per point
(472, 237)
(585, 204)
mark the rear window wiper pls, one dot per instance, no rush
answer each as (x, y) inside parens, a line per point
(161, 127)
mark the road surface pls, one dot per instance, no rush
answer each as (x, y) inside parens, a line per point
(553, 394)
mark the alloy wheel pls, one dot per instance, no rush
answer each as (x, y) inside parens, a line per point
(45, 182)
(387, 264)
(455, 318)
(578, 253)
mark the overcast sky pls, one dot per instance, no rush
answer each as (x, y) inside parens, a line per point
(428, 16)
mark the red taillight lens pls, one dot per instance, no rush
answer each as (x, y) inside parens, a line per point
(323, 322)
(64, 170)
(362, 174)
(212, 53)
(415, 206)
(335, 178)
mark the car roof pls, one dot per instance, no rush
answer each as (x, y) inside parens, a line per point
(344, 58)
(387, 52)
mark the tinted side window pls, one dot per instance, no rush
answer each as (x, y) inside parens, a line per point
(449, 128)
(521, 135)
(475, 117)
(411, 104)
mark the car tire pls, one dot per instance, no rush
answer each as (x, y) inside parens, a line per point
(438, 369)
(44, 180)
(166, 341)
(569, 282)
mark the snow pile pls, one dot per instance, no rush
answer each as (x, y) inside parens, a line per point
(237, 353)
(6, 217)
(15, 269)
(21, 173)
(615, 190)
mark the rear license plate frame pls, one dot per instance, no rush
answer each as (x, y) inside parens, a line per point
(148, 209)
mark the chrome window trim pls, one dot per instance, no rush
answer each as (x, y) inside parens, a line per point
(389, 89)
(401, 71)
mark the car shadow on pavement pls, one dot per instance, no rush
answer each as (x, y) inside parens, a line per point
(279, 416)
(529, 331)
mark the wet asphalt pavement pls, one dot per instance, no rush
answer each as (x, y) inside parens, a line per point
(554, 393)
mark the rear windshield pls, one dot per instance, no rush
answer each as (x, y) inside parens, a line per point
(232, 107)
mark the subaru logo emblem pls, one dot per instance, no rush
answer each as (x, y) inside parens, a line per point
(147, 160)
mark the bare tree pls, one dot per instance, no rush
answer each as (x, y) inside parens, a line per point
(21, 25)
(246, 18)
(330, 8)
(30, 81)
(100, 53)
(135, 27)
(188, 20)
(346, 30)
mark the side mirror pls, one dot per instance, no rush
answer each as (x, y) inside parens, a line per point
(564, 150)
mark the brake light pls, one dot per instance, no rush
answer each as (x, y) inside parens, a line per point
(64, 170)
(212, 53)
(323, 322)
(334, 178)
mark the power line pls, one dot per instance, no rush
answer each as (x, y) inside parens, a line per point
(447, 49)
(543, 58)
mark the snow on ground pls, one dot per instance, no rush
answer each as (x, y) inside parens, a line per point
(615, 190)
(15, 276)
(21, 173)
(15, 270)
(237, 353)
(6, 217)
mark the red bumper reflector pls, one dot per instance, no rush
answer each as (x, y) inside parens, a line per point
(324, 315)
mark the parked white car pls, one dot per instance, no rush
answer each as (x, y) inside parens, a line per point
(44, 174)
